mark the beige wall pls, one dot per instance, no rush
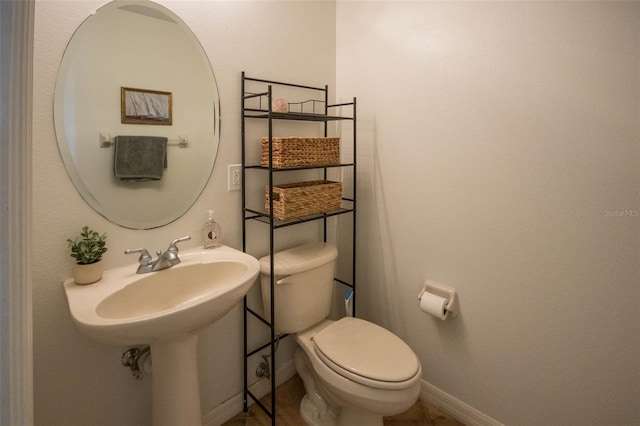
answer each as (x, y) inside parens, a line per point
(499, 144)
(78, 382)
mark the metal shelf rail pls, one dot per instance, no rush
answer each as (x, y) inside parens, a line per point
(264, 112)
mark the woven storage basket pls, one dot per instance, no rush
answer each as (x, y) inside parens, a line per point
(301, 152)
(300, 199)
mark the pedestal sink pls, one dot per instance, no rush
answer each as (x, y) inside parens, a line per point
(165, 309)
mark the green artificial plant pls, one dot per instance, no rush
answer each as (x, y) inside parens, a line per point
(89, 248)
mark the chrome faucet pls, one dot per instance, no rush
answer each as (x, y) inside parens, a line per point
(164, 260)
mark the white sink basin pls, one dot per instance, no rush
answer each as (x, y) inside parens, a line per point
(165, 309)
(129, 308)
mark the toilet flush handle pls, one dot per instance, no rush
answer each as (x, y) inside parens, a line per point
(284, 280)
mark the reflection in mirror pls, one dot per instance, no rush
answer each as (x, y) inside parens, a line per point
(144, 48)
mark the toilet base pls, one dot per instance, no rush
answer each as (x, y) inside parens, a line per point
(313, 417)
(358, 418)
(316, 408)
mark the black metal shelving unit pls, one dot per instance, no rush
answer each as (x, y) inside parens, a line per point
(321, 112)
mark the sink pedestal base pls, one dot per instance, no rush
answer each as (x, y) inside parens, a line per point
(176, 392)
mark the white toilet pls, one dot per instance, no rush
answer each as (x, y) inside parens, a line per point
(354, 371)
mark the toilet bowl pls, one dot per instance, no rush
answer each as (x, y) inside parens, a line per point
(365, 372)
(354, 372)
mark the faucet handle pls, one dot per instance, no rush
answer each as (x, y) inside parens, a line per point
(144, 258)
(173, 246)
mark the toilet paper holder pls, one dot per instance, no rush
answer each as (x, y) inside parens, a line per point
(443, 291)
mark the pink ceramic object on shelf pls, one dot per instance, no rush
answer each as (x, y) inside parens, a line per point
(280, 105)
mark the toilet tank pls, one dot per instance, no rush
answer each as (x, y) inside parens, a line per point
(303, 286)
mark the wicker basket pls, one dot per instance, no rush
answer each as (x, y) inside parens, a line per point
(294, 152)
(296, 200)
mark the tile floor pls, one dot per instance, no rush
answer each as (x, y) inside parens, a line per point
(290, 394)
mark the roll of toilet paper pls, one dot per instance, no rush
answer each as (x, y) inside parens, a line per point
(434, 305)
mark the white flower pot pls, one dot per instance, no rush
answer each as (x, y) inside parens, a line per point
(87, 273)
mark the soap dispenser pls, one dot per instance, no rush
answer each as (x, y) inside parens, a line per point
(211, 232)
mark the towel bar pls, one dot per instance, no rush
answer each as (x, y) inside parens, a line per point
(105, 141)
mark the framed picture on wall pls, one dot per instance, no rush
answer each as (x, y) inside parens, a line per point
(141, 106)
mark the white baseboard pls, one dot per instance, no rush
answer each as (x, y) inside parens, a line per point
(234, 405)
(456, 408)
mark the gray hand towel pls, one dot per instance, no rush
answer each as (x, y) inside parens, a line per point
(139, 157)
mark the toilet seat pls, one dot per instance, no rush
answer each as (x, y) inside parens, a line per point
(366, 353)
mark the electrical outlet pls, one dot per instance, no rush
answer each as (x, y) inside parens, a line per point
(234, 177)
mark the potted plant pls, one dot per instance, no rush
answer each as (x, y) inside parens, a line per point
(88, 250)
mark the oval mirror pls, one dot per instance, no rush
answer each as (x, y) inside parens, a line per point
(129, 52)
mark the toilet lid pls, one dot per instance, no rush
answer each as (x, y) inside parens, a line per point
(365, 352)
